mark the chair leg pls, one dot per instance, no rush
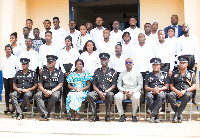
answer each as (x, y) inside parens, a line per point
(190, 110)
(145, 111)
(114, 110)
(87, 110)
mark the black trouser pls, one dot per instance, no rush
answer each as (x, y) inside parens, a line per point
(172, 97)
(86, 103)
(8, 85)
(65, 90)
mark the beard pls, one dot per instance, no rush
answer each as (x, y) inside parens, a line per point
(185, 32)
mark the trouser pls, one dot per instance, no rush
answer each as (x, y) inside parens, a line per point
(26, 98)
(135, 98)
(144, 75)
(65, 90)
(93, 97)
(8, 85)
(154, 102)
(39, 97)
(184, 100)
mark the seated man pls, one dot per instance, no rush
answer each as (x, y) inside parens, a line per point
(130, 83)
(156, 83)
(24, 83)
(51, 81)
(104, 82)
(182, 84)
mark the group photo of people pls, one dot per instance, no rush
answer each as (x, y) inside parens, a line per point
(87, 64)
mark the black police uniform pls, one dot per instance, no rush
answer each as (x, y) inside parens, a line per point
(153, 80)
(49, 82)
(23, 81)
(181, 83)
(103, 82)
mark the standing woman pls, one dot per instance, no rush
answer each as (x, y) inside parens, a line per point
(68, 56)
(127, 45)
(79, 83)
(9, 65)
(16, 49)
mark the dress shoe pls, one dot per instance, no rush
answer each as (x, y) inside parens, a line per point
(20, 117)
(98, 111)
(157, 119)
(122, 118)
(57, 110)
(6, 111)
(134, 119)
(44, 117)
(194, 102)
(175, 119)
(152, 119)
(48, 116)
(148, 111)
(95, 118)
(107, 118)
(72, 119)
(25, 109)
(180, 119)
(77, 119)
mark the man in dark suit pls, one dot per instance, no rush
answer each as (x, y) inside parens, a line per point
(174, 23)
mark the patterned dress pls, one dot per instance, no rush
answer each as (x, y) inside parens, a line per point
(74, 99)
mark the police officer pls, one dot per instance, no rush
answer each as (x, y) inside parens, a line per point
(104, 82)
(156, 84)
(51, 81)
(182, 85)
(24, 83)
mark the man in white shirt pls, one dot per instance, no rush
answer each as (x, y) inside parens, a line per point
(165, 52)
(30, 54)
(141, 55)
(116, 33)
(148, 35)
(21, 42)
(58, 33)
(129, 84)
(189, 46)
(47, 49)
(89, 27)
(97, 33)
(133, 30)
(106, 46)
(29, 24)
(73, 32)
(47, 26)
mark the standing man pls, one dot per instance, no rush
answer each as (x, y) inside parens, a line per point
(30, 54)
(58, 34)
(174, 24)
(106, 45)
(182, 85)
(129, 84)
(21, 42)
(37, 41)
(97, 33)
(47, 26)
(89, 27)
(189, 46)
(29, 24)
(116, 33)
(133, 30)
(47, 49)
(165, 52)
(104, 82)
(156, 84)
(51, 81)
(72, 32)
(24, 83)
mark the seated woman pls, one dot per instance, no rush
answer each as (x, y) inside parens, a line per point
(78, 83)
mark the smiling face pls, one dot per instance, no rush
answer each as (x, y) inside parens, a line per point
(79, 66)
(90, 46)
(8, 50)
(13, 39)
(161, 35)
(170, 33)
(132, 22)
(48, 37)
(47, 24)
(127, 37)
(106, 34)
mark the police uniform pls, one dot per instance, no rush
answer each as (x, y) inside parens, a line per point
(153, 80)
(103, 82)
(23, 81)
(181, 83)
(49, 82)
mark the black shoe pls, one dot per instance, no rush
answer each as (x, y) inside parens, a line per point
(85, 111)
(157, 119)
(98, 111)
(134, 119)
(44, 117)
(194, 102)
(57, 110)
(20, 117)
(25, 109)
(175, 119)
(152, 119)
(107, 118)
(180, 119)
(77, 119)
(95, 118)
(72, 119)
(35, 110)
(7, 111)
(48, 116)
(122, 118)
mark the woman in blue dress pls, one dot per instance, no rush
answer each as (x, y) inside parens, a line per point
(79, 83)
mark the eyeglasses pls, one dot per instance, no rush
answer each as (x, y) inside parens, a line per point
(129, 62)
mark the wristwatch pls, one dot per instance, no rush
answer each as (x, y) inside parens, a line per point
(186, 90)
(53, 91)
